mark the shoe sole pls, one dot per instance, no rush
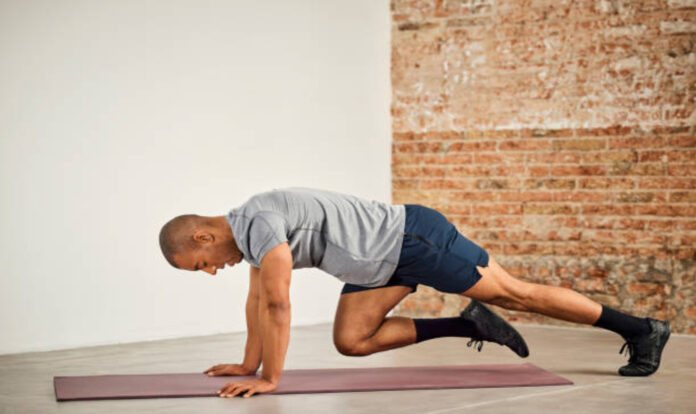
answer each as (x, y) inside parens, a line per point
(492, 315)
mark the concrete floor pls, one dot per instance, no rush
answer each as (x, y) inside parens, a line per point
(587, 356)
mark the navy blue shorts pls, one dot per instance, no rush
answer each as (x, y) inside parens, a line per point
(434, 254)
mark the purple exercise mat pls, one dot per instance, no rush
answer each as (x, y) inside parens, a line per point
(101, 387)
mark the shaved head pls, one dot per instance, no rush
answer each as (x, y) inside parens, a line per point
(176, 236)
(193, 242)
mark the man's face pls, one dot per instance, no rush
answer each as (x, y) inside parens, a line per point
(208, 259)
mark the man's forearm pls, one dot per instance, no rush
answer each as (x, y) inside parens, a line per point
(275, 328)
(254, 343)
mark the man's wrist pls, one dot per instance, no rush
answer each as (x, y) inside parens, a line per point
(249, 367)
(270, 378)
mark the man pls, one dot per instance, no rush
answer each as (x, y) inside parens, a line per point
(381, 252)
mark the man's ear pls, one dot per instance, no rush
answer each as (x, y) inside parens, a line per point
(203, 237)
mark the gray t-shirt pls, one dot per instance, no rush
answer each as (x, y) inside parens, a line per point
(357, 240)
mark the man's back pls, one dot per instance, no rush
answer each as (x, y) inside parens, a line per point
(355, 239)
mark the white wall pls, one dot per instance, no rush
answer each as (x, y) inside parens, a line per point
(117, 115)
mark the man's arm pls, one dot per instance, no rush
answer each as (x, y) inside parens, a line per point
(253, 350)
(254, 345)
(274, 309)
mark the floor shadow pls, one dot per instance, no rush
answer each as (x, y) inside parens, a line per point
(589, 372)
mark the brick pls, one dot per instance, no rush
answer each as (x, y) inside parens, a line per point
(498, 158)
(485, 221)
(609, 156)
(680, 156)
(524, 145)
(608, 131)
(473, 146)
(446, 184)
(592, 285)
(606, 183)
(667, 129)
(660, 225)
(546, 133)
(499, 209)
(538, 170)
(637, 142)
(651, 156)
(688, 141)
(492, 134)
(681, 169)
(675, 27)
(642, 169)
(551, 209)
(667, 183)
(554, 157)
(405, 136)
(405, 184)
(442, 135)
(506, 170)
(646, 288)
(510, 196)
(456, 209)
(418, 171)
(666, 210)
(497, 184)
(683, 197)
(607, 209)
(579, 144)
(528, 248)
(471, 170)
(448, 159)
(431, 198)
(564, 170)
(419, 147)
(583, 196)
(639, 197)
(551, 184)
(473, 196)
(681, 3)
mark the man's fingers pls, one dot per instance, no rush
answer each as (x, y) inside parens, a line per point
(213, 368)
(224, 389)
(228, 389)
(243, 389)
(238, 390)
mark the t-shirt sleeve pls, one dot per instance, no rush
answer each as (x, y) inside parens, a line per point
(267, 230)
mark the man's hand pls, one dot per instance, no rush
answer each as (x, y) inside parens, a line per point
(252, 386)
(229, 369)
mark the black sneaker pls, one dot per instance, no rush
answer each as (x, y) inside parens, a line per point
(493, 328)
(645, 350)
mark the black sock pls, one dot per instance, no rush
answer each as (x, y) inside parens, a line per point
(623, 324)
(438, 327)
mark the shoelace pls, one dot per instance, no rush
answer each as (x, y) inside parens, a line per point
(628, 346)
(477, 343)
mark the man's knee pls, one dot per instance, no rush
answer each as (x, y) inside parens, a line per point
(499, 288)
(350, 345)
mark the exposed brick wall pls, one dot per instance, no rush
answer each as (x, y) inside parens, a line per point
(558, 135)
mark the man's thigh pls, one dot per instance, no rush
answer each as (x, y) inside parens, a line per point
(360, 314)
